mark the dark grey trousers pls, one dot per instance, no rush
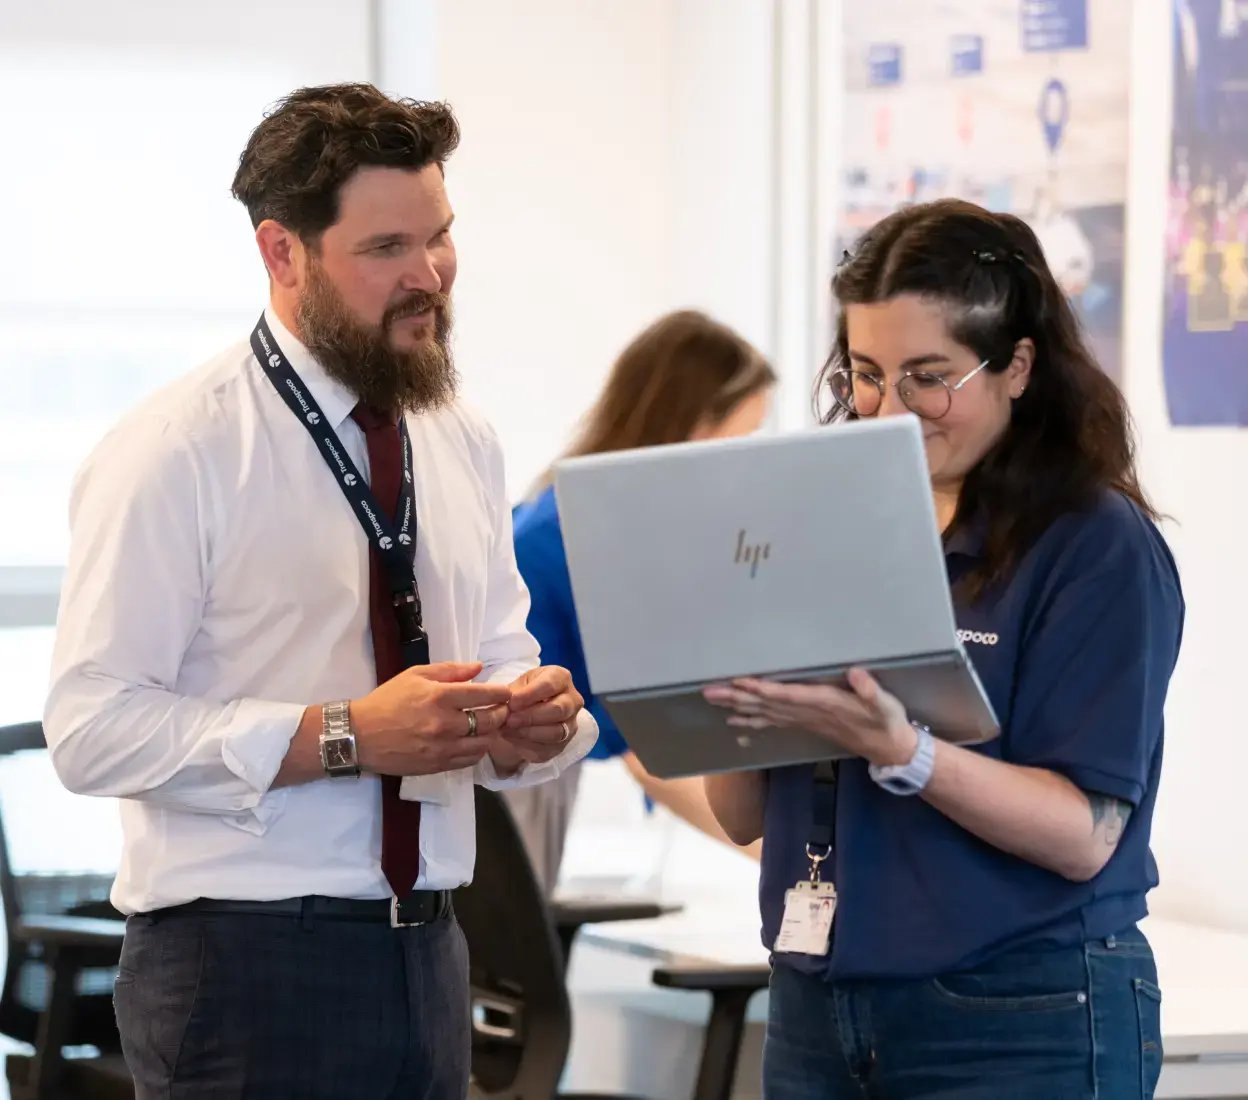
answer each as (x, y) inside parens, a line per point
(226, 1006)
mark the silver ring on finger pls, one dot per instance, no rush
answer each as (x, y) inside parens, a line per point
(472, 723)
(567, 732)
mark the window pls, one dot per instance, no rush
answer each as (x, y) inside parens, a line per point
(127, 260)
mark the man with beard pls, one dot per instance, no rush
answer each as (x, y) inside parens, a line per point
(292, 637)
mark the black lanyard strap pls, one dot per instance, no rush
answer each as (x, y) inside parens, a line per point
(822, 842)
(396, 548)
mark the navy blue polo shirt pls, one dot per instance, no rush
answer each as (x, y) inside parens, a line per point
(543, 564)
(1075, 652)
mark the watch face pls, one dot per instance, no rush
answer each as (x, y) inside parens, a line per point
(338, 753)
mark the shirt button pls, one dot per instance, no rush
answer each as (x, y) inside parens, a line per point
(1082, 998)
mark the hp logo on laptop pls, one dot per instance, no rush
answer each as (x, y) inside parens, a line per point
(751, 555)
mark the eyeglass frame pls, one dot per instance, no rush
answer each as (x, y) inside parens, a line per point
(881, 385)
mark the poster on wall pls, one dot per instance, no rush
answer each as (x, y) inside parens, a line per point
(1205, 338)
(1018, 105)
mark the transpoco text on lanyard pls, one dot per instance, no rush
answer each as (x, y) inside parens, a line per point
(810, 906)
(397, 548)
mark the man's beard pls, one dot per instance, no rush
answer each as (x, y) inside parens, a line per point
(363, 359)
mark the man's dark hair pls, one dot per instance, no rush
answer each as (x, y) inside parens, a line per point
(313, 141)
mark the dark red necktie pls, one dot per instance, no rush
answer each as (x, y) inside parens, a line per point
(400, 819)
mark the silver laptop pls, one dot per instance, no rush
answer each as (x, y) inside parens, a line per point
(795, 557)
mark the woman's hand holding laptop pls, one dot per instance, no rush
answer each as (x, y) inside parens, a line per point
(866, 721)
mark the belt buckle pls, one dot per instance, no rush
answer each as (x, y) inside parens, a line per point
(396, 922)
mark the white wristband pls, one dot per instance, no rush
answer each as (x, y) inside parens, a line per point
(911, 777)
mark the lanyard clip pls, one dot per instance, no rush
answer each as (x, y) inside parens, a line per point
(408, 611)
(816, 858)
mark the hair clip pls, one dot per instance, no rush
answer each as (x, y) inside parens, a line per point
(984, 256)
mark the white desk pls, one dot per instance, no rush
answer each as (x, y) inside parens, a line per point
(1203, 974)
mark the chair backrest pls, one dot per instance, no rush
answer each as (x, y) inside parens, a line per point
(23, 737)
(522, 1020)
(25, 987)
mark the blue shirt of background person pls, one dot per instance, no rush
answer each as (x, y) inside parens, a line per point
(684, 378)
(543, 564)
(985, 940)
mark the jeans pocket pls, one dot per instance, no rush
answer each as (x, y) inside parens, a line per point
(972, 999)
(1019, 981)
(1148, 1017)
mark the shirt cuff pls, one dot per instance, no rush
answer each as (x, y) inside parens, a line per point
(530, 775)
(253, 748)
(1100, 782)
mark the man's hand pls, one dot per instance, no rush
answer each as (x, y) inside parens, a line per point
(543, 712)
(417, 723)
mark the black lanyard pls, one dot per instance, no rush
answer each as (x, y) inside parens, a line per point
(822, 842)
(396, 548)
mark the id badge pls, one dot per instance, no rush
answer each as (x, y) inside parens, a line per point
(806, 928)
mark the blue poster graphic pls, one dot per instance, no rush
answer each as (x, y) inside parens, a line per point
(966, 54)
(1205, 336)
(884, 64)
(1054, 25)
(1034, 124)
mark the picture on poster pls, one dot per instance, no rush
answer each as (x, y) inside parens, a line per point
(1017, 105)
(1205, 337)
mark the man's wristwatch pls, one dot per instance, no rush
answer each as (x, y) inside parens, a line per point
(338, 752)
(912, 777)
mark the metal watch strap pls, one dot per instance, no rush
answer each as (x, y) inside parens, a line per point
(338, 751)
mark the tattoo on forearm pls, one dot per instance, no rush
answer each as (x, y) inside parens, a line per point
(1109, 817)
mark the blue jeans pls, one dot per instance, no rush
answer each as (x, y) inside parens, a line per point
(1079, 1023)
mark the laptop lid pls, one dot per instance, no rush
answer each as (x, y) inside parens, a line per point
(695, 562)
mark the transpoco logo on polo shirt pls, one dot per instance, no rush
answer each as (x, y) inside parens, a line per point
(977, 637)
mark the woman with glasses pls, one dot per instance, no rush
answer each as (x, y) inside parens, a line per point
(983, 940)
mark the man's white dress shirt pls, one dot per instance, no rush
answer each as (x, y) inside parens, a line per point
(217, 584)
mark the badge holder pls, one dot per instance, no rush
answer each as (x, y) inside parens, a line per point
(809, 908)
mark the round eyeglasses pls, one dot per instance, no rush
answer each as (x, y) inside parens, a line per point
(924, 394)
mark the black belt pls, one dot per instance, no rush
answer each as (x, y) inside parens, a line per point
(419, 907)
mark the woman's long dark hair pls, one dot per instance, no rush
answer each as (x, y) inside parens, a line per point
(685, 369)
(1070, 434)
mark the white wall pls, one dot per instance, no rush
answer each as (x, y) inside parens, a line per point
(126, 260)
(1200, 477)
(721, 251)
(561, 191)
(614, 166)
